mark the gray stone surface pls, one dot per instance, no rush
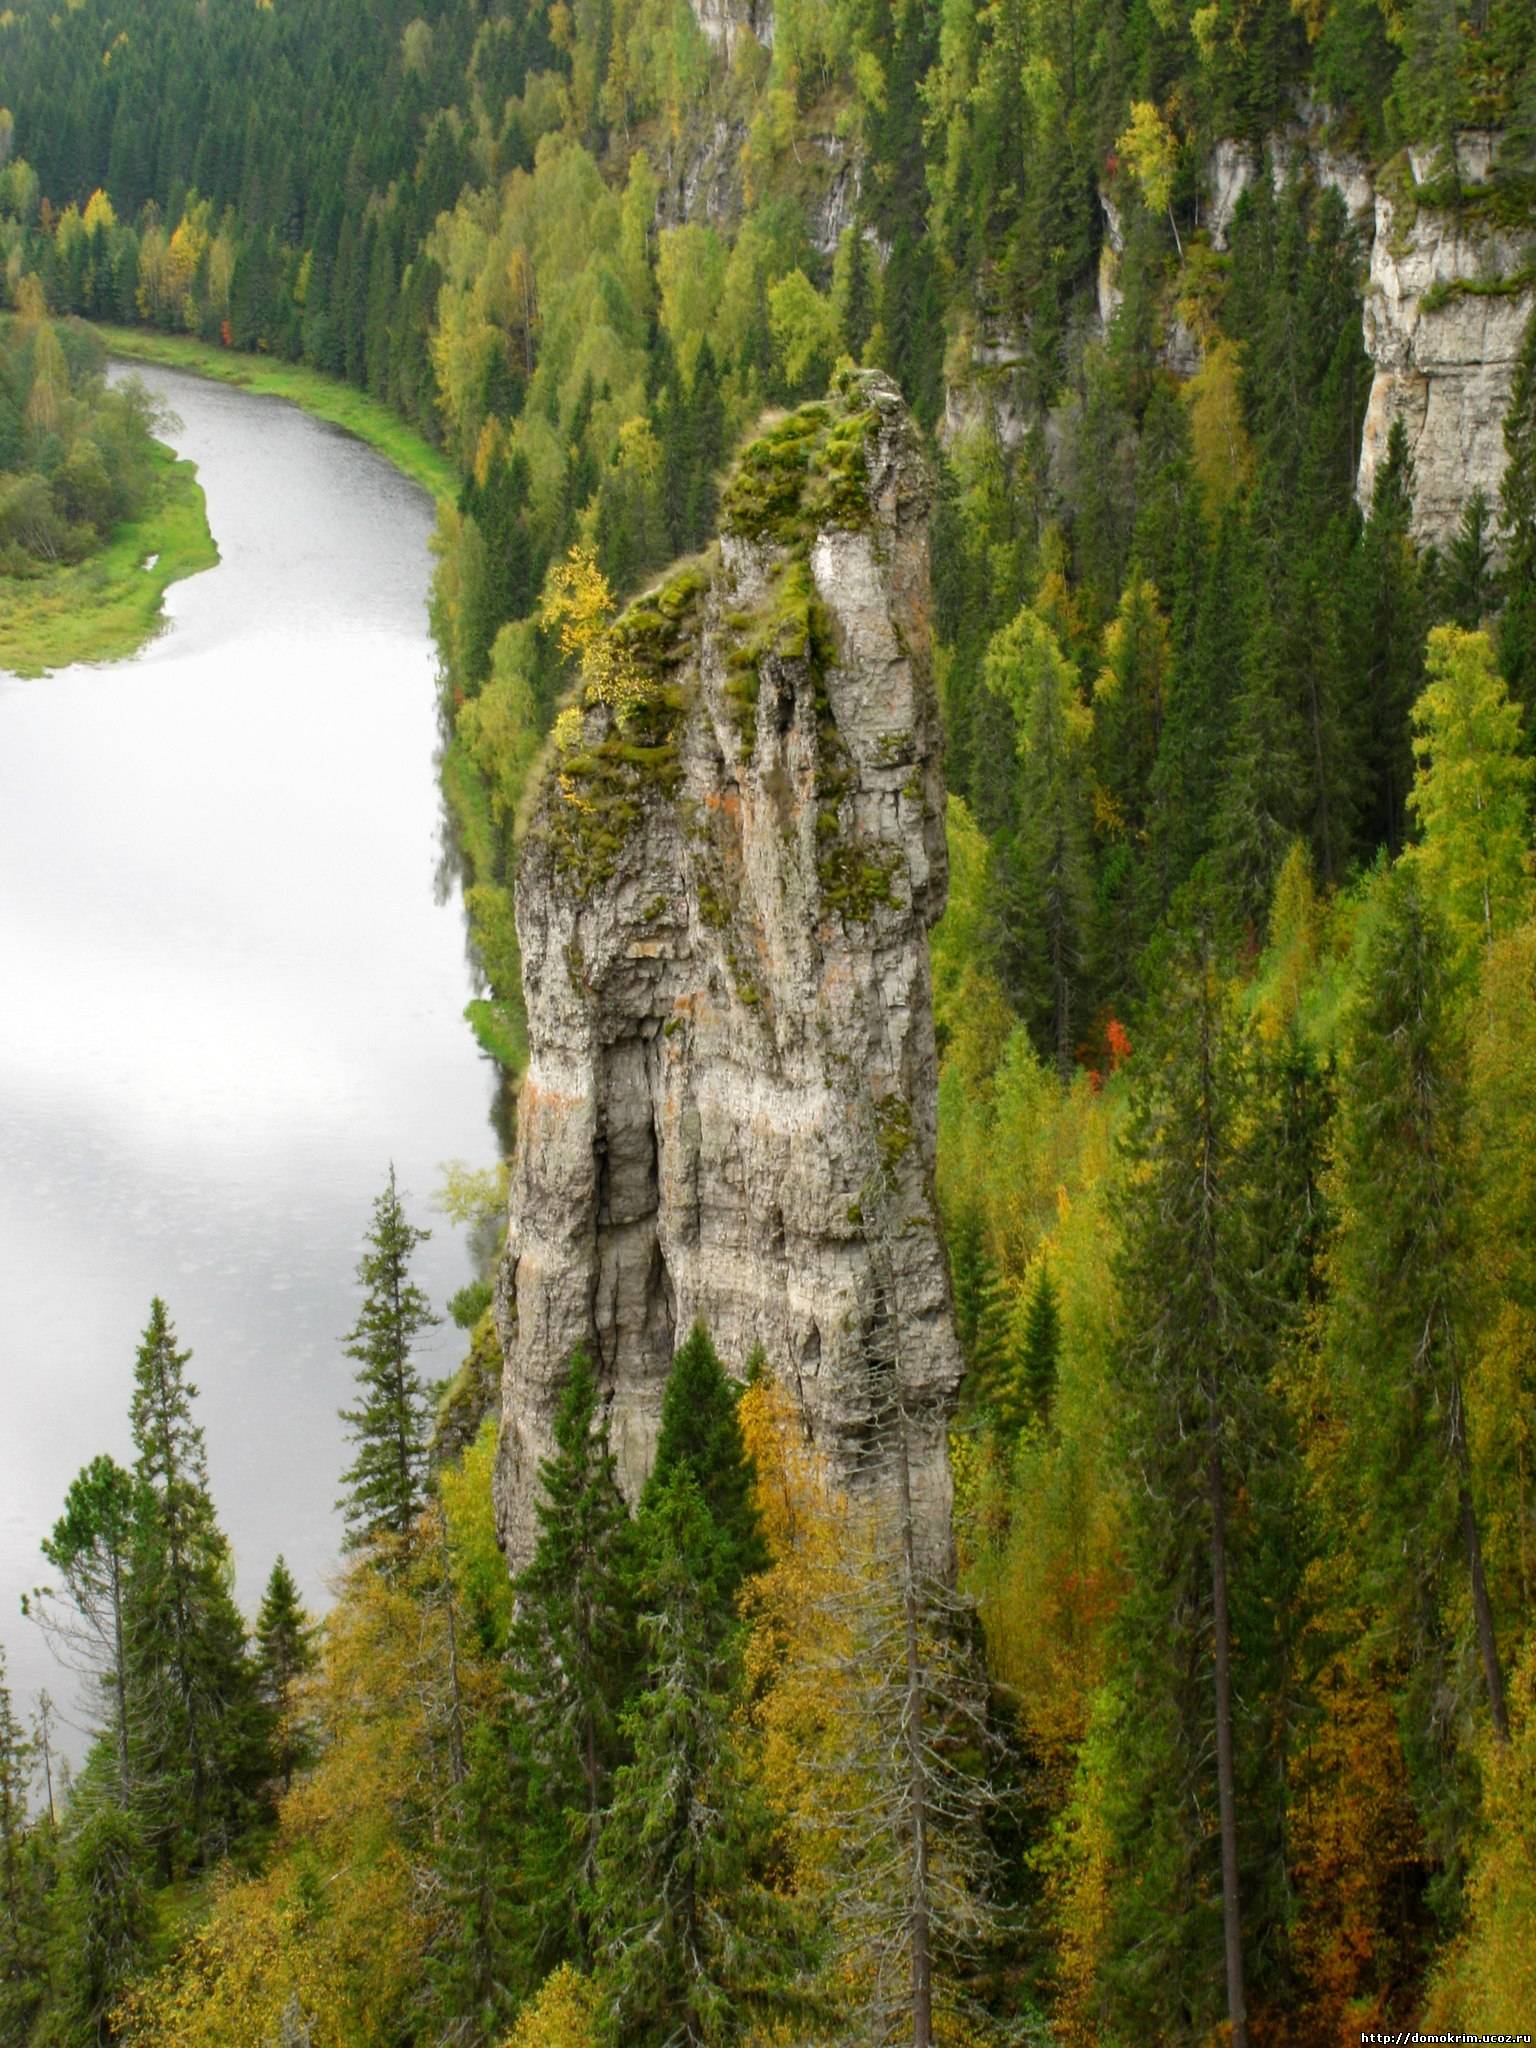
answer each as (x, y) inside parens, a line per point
(729, 1110)
(1444, 346)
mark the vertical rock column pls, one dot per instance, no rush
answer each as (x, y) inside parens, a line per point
(723, 901)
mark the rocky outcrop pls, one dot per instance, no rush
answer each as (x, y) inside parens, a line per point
(723, 904)
(725, 21)
(1446, 309)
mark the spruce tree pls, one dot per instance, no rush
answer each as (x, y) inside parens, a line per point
(700, 1435)
(570, 1662)
(387, 1480)
(689, 1938)
(1469, 583)
(1198, 1797)
(285, 1652)
(103, 1922)
(1387, 622)
(196, 1732)
(1041, 1359)
(1398, 1347)
(15, 1780)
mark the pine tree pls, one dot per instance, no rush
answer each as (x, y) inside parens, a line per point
(196, 1733)
(700, 1435)
(90, 1548)
(285, 1653)
(386, 1482)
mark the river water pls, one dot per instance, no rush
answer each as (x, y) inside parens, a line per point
(230, 996)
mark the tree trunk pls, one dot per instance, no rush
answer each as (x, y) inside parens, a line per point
(1226, 1788)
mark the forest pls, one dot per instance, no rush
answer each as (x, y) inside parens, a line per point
(75, 458)
(1228, 1728)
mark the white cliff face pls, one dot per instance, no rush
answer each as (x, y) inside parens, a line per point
(1445, 314)
(723, 904)
(724, 21)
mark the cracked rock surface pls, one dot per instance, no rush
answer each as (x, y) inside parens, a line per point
(723, 902)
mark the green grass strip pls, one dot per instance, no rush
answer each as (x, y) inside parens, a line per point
(327, 398)
(105, 608)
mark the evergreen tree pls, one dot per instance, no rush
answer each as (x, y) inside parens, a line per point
(197, 1752)
(1398, 1345)
(17, 1962)
(1198, 1804)
(103, 1923)
(1048, 902)
(90, 1548)
(1469, 584)
(1041, 1360)
(688, 1935)
(386, 1482)
(285, 1653)
(1387, 627)
(700, 1435)
(571, 1661)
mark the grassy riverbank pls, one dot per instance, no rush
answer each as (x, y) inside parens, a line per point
(325, 397)
(105, 608)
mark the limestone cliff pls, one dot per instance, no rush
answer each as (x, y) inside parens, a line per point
(723, 903)
(1446, 307)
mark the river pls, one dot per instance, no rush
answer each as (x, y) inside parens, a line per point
(230, 996)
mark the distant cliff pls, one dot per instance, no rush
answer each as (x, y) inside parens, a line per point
(723, 904)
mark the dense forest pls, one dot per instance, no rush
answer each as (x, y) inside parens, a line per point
(75, 458)
(1229, 1732)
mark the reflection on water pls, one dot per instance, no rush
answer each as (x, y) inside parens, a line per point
(229, 996)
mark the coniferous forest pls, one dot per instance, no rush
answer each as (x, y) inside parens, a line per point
(1224, 1728)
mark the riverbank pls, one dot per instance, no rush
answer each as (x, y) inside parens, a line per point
(106, 607)
(325, 398)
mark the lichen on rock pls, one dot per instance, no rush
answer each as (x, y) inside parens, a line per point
(723, 903)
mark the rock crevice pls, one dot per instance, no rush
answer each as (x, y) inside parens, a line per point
(723, 902)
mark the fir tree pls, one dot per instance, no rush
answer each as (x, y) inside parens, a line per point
(196, 1731)
(386, 1482)
(700, 1435)
(1398, 1348)
(1469, 583)
(571, 1661)
(103, 1921)
(1198, 1802)
(1041, 1351)
(1387, 626)
(689, 1937)
(285, 1653)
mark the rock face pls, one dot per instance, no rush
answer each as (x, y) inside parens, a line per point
(723, 21)
(1445, 313)
(723, 903)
